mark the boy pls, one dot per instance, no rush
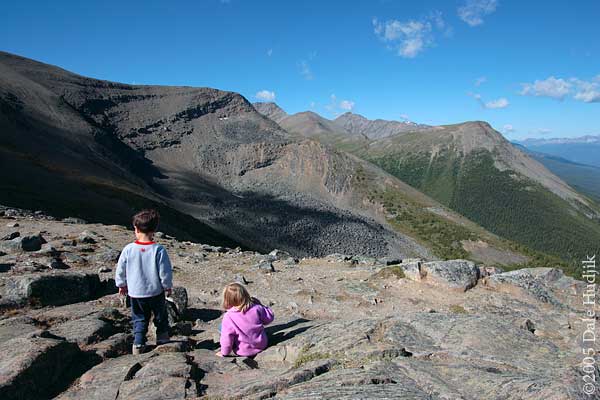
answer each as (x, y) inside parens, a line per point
(144, 272)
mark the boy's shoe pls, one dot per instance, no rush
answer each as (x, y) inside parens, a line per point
(162, 338)
(138, 349)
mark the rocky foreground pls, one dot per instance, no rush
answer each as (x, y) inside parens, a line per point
(346, 327)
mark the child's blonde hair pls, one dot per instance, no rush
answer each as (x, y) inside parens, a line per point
(236, 295)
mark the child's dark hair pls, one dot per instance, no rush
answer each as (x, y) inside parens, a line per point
(146, 220)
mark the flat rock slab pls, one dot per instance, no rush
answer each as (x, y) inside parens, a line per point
(103, 381)
(56, 288)
(14, 327)
(35, 368)
(83, 331)
(147, 376)
(157, 388)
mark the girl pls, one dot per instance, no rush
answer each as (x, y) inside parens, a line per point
(242, 331)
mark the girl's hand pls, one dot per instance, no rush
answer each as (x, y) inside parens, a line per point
(218, 353)
(123, 291)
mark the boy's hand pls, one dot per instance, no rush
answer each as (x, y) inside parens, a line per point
(123, 291)
(168, 292)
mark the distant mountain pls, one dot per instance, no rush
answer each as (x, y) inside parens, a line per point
(584, 178)
(270, 110)
(375, 129)
(583, 150)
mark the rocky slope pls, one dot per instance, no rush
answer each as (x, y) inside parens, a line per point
(346, 326)
(270, 110)
(197, 151)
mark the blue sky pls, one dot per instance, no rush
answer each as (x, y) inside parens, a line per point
(530, 68)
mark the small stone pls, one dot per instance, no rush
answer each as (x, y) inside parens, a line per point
(57, 263)
(290, 261)
(47, 249)
(87, 237)
(71, 220)
(12, 224)
(103, 270)
(528, 326)
(11, 236)
(73, 258)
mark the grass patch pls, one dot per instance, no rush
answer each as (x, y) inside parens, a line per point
(395, 271)
(305, 356)
(458, 309)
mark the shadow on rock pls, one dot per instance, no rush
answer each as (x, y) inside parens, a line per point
(282, 332)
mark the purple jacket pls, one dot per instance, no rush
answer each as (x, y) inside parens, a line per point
(244, 333)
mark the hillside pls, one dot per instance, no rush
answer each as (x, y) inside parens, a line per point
(209, 158)
(472, 169)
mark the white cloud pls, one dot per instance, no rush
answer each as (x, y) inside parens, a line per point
(305, 70)
(313, 104)
(269, 52)
(558, 88)
(480, 81)
(499, 103)
(502, 102)
(587, 91)
(265, 95)
(508, 128)
(409, 38)
(347, 105)
(473, 11)
(555, 88)
(405, 117)
(338, 107)
(542, 131)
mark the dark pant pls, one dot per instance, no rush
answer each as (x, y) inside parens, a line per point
(141, 309)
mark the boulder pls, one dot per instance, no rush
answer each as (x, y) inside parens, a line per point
(265, 266)
(57, 288)
(117, 345)
(390, 261)
(412, 270)
(36, 368)
(453, 274)
(106, 255)
(279, 254)
(177, 304)
(535, 282)
(32, 243)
